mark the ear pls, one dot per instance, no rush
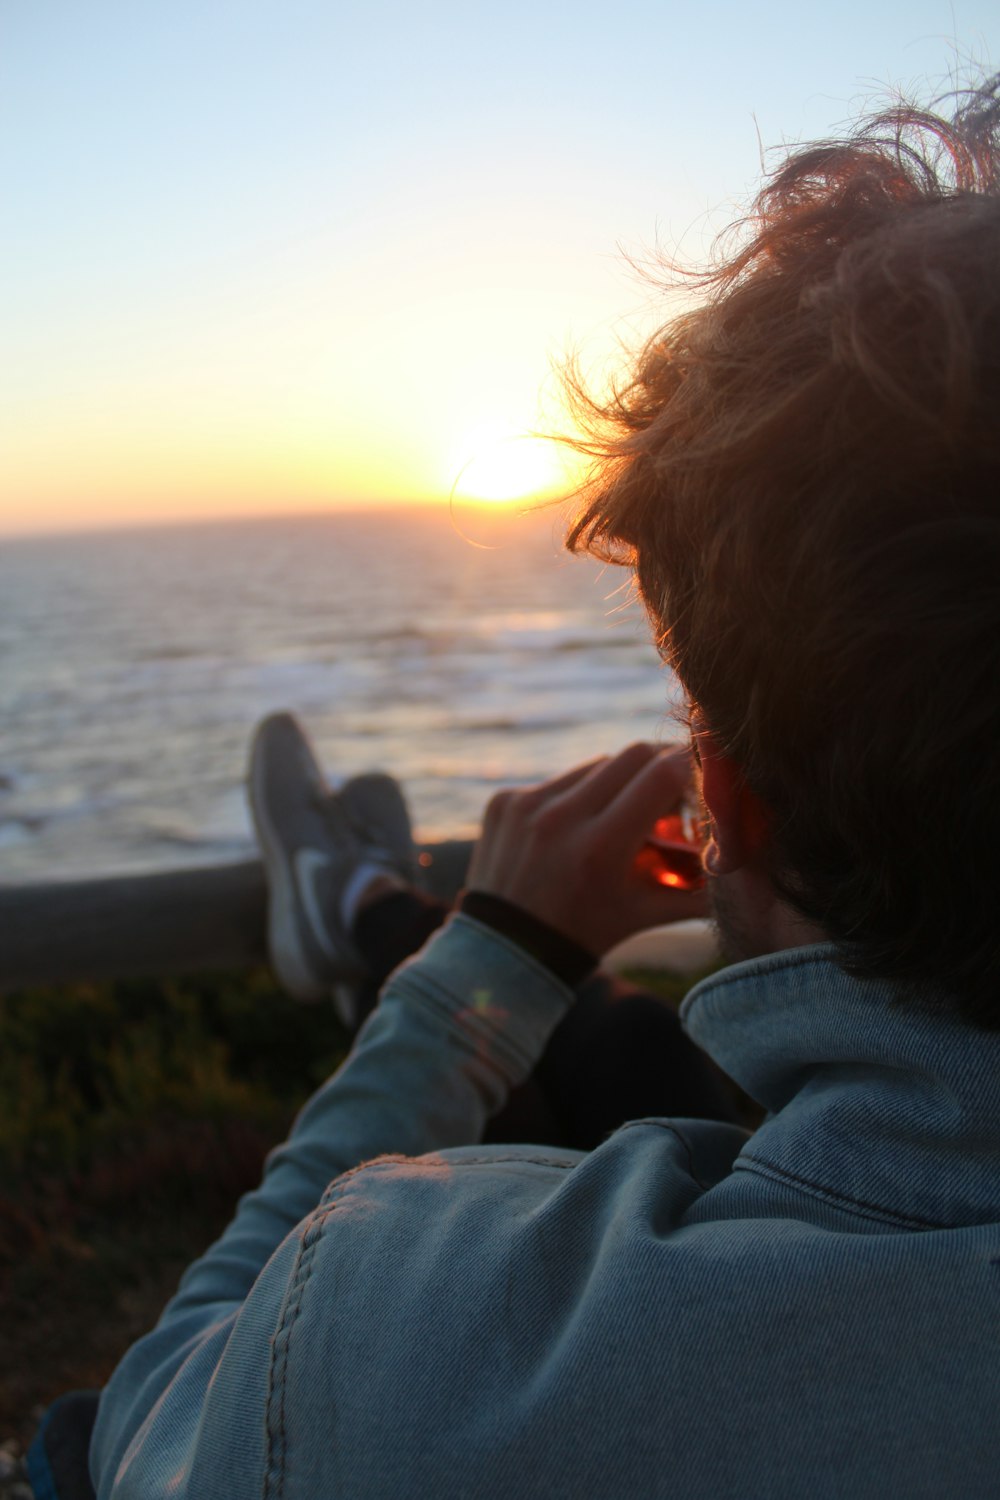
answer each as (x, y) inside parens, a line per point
(738, 818)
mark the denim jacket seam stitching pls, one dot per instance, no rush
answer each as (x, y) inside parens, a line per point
(448, 1166)
(274, 1419)
(334, 1189)
(488, 1161)
(850, 1204)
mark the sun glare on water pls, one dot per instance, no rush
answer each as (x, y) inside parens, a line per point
(500, 466)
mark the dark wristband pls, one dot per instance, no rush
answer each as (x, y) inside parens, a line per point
(567, 960)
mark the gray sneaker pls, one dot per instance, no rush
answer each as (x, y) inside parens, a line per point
(312, 840)
(377, 810)
(310, 850)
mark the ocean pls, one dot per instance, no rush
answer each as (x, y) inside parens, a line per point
(461, 653)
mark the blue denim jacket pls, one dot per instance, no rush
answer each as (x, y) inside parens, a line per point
(811, 1311)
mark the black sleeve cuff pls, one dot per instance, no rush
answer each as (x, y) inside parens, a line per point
(566, 959)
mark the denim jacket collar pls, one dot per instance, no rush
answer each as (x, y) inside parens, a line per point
(884, 1104)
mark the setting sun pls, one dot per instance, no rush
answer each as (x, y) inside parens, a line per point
(500, 465)
(361, 296)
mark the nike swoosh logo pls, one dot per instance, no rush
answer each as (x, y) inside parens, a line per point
(308, 864)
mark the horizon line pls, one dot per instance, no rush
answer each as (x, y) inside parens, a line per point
(522, 505)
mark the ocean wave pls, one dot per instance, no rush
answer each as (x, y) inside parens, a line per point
(609, 641)
(156, 654)
(523, 724)
(129, 701)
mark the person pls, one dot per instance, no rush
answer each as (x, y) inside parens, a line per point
(347, 908)
(803, 472)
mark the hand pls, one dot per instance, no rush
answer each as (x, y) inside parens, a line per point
(566, 850)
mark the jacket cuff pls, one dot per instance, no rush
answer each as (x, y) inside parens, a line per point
(505, 1003)
(569, 961)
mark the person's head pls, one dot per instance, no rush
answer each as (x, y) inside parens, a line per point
(805, 474)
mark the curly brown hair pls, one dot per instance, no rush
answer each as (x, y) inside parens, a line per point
(804, 473)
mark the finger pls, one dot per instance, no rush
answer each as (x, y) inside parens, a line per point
(593, 793)
(568, 779)
(653, 792)
(496, 808)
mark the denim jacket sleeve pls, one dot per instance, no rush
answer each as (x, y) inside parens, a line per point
(455, 1029)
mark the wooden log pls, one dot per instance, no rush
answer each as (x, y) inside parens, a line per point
(198, 919)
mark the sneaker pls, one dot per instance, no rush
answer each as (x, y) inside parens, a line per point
(310, 851)
(313, 841)
(377, 809)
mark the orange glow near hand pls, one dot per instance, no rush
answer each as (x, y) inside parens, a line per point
(671, 855)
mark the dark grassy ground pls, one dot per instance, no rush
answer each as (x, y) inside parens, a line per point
(132, 1116)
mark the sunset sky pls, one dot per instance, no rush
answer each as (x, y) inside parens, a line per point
(287, 254)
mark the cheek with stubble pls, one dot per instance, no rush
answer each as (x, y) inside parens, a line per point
(735, 936)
